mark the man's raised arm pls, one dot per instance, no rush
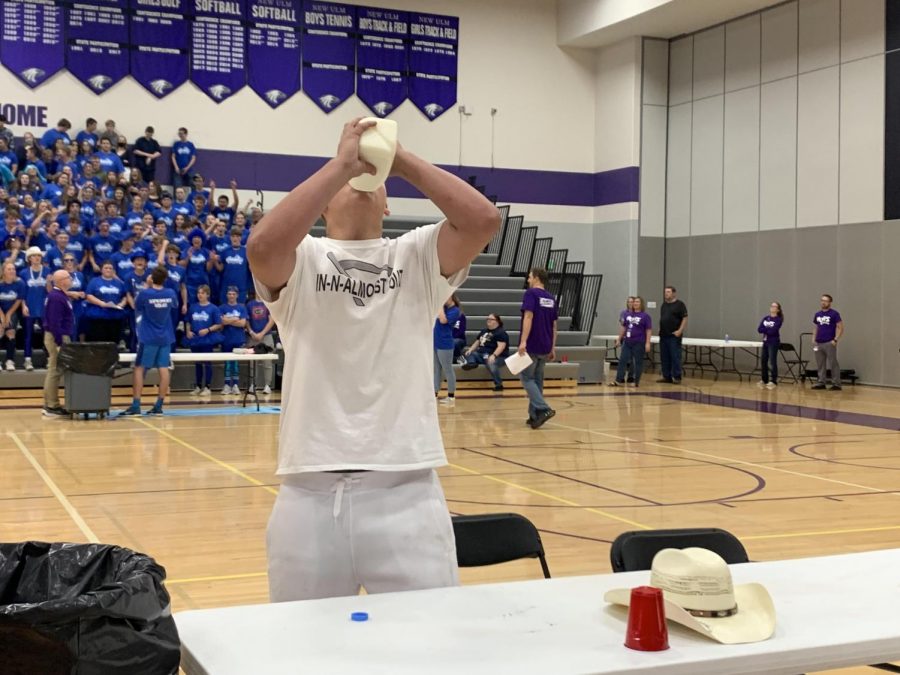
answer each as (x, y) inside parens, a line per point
(271, 248)
(472, 220)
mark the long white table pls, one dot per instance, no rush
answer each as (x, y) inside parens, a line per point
(699, 352)
(190, 357)
(832, 612)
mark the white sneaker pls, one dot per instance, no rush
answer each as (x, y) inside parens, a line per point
(236, 390)
(196, 391)
(771, 385)
(760, 384)
(205, 391)
(10, 366)
(267, 390)
(28, 365)
(226, 390)
(449, 401)
(251, 389)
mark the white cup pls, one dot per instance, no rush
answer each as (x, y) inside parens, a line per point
(377, 146)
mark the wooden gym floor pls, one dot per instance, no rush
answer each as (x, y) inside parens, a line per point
(791, 472)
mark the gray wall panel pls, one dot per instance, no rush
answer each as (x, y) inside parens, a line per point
(740, 299)
(815, 271)
(704, 298)
(613, 243)
(890, 291)
(678, 268)
(776, 281)
(857, 297)
(651, 262)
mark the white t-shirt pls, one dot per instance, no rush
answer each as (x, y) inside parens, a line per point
(356, 322)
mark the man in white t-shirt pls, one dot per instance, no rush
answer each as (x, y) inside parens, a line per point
(360, 503)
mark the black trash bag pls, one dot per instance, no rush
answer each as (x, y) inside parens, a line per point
(89, 358)
(84, 609)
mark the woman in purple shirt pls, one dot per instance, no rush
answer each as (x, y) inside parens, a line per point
(634, 336)
(770, 327)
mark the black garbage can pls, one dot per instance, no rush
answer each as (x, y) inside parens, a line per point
(88, 368)
(84, 609)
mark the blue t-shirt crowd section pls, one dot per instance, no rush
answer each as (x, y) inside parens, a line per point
(78, 201)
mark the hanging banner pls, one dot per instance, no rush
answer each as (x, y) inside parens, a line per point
(433, 49)
(273, 49)
(329, 53)
(381, 59)
(97, 42)
(217, 48)
(32, 45)
(160, 38)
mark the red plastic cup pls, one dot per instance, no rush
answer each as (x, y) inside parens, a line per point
(647, 630)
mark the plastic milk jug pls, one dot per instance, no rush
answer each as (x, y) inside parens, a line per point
(377, 146)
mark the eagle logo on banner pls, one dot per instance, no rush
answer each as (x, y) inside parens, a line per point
(433, 110)
(160, 87)
(99, 82)
(219, 91)
(329, 101)
(382, 108)
(32, 75)
(275, 96)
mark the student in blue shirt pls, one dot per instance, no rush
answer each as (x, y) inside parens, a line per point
(198, 263)
(184, 156)
(122, 259)
(102, 246)
(166, 213)
(117, 226)
(88, 135)
(156, 333)
(197, 190)
(176, 273)
(204, 326)
(234, 267)
(260, 323)
(12, 295)
(36, 278)
(105, 308)
(135, 281)
(443, 349)
(8, 158)
(109, 161)
(76, 294)
(201, 209)
(61, 132)
(224, 210)
(181, 203)
(234, 320)
(79, 244)
(14, 254)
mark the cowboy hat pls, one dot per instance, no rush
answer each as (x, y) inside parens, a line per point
(33, 250)
(698, 593)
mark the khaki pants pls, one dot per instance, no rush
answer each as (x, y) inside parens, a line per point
(51, 382)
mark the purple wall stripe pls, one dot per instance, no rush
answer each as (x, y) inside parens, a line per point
(774, 408)
(282, 173)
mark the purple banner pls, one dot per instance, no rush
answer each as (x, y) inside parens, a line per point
(433, 49)
(160, 38)
(329, 53)
(97, 42)
(381, 59)
(32, 44)
(273, 49)
(217, 48)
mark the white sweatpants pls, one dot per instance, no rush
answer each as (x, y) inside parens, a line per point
(331, 533)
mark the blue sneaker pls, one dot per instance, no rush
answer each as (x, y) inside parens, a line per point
(155, 410)
(131, 410)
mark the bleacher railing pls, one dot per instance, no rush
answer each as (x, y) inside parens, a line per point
(511, 239)
(524, 251)
(496, 243)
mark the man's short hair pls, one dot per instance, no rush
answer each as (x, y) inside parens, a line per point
(108, 122)
(236, 231)
(670, 288)
(173, 248)
(89, 121)
(64, 123)
(159, 275)
(149, 130)
(825, 295)
(541, 274)
(182, 129)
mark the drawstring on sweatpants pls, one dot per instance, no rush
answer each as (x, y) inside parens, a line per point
(338, 489)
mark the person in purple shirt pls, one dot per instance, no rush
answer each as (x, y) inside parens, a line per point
(538, 339)
(59, 322)
(829, 331)
(628, 304)
(770, 328)
(634, 336)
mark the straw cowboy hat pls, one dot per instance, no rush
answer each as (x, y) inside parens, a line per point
(698, 593)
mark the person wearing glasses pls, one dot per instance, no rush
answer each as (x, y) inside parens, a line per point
(59, 322)
(490, 349)
(75, 293)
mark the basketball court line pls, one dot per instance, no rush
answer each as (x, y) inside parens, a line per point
(54, 488)
(724, 459)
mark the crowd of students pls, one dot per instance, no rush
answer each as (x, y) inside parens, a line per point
(78, 205)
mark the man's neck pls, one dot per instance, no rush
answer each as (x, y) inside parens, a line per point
(541, 286)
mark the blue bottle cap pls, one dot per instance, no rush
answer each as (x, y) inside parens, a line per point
(359, 616)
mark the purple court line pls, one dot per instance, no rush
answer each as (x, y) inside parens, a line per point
(795, 449)
(790, 410)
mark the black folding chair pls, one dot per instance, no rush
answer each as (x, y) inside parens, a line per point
(495, 538)
(793, 360)
(634, 551)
